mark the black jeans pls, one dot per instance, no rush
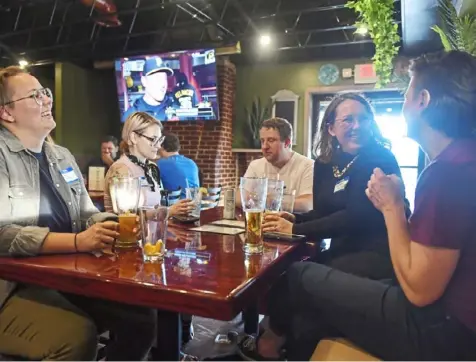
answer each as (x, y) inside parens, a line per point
(368, 264)
(312, 301)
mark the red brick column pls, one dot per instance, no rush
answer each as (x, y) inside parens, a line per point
(209, 143)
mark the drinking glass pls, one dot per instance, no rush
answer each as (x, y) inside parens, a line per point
(194, 194)
(274, 196)
(125, 194)
(287, 203)
(154, 231)
(253, 192)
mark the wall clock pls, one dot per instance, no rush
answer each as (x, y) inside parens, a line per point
(328, 74)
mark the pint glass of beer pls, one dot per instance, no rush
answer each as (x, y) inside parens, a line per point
(253, 198)
(125, 194)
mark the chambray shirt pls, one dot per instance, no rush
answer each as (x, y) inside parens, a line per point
(20, 198)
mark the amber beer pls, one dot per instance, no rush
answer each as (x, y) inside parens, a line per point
(127, 236)
(254, 231)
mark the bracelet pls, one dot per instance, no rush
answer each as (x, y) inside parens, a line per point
(76, 242)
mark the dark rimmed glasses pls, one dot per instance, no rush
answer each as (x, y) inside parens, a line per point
(154, 141)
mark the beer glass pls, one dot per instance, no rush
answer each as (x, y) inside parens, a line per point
(253, 192)
(154, 231)
(194, 194)
(274, 196)
(125, 194)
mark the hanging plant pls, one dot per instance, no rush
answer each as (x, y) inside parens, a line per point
(377, 17)
(456, 32)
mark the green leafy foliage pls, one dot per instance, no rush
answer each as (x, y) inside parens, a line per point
(258, 113)
(456, 32)
(377, 17)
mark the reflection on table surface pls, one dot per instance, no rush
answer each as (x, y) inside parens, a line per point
(197, 263)
(203, 274)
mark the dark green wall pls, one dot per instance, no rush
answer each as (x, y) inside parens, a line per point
(265, 80)
(86, 107)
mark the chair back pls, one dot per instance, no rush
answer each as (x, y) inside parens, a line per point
(213, 195)
(169, 198)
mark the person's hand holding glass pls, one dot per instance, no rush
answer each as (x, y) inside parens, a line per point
(182, 208)
(275, 220)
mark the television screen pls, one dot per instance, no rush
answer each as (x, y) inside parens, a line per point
(176, 86)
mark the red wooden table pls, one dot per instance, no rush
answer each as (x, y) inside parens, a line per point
(219, 285)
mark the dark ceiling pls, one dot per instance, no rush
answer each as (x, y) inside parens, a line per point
(44, 30)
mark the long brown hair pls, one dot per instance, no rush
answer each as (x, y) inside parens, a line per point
(325, 144)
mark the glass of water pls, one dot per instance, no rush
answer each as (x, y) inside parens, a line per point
(274, 196)
(287, 203)
(194, 194)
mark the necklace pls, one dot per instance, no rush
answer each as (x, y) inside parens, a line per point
(339, 174)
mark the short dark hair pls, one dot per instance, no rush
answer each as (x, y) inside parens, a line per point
(112, 139)
(171, 143)
(450, 78)
(281, 125)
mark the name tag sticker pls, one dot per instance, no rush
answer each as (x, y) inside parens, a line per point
(341, 185)
(69, 175)
(143, 181)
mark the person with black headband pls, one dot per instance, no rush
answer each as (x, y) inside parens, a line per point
(141, 140)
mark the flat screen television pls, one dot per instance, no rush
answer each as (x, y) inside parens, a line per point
(175, 86)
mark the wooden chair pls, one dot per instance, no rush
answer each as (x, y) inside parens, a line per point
(340, 350)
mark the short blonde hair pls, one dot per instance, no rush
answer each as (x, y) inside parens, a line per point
(136, 123)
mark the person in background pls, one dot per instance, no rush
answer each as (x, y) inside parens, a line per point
(46, 210)
(156, 99)
(177, 171)
(109, 154)
(431, 313)
(185, 94)
(348, 147)
(280, 161)
(141, 141)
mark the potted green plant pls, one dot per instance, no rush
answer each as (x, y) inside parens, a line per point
(457, 32)
(255, 115)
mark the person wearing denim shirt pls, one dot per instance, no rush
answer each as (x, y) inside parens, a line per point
(46, 210)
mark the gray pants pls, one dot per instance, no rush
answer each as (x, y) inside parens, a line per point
(43, 324)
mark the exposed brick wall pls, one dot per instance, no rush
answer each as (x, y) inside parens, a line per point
(209, 143)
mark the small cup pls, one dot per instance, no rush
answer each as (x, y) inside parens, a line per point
(154, 232)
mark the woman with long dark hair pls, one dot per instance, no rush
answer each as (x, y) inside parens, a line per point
(348, 147)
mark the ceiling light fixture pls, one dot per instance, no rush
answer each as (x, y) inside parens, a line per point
(265, 40)
(22, 63)
(362, 30)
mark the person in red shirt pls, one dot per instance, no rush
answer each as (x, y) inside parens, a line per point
(429, 313)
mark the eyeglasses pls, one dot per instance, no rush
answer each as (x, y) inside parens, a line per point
(350, 121)
(38, 95)
(154, 141)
